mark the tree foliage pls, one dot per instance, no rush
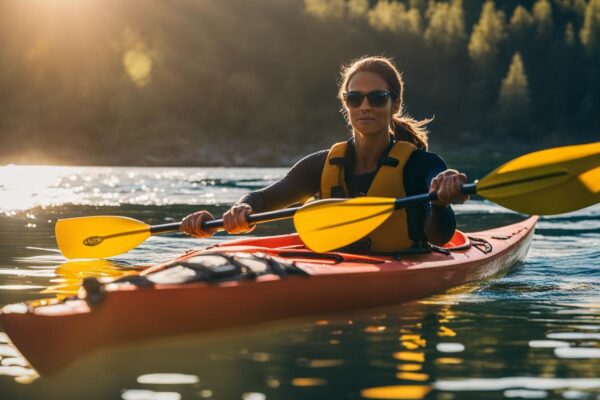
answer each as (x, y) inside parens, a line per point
(393, 16)
(521, 21)
(488, 34)
(590, 32)
(446, 26)
(358, 8)
(514, 93)
(570, 35)
(254, 82)
(325, 8)
(542, 15)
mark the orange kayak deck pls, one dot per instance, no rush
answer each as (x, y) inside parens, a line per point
(51, 336)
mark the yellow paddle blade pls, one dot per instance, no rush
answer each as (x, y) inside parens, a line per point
(330, 224)
(99, 236)
(546, 182)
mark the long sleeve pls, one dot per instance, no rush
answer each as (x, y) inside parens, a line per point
(300, 183)
(431, 223)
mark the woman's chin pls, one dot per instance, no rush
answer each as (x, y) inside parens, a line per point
(369, 131)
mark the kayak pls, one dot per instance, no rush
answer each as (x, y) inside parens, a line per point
(250, 281)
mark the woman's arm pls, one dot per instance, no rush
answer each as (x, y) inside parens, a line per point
(440, 224)
(300, 183)
(424, 172)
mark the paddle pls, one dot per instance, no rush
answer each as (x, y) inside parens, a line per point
(106, 235)
(552, 181)
(546, 182)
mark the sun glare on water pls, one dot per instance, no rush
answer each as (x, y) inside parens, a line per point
(24, 187)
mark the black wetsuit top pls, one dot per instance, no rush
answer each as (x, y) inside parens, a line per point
(303, 181)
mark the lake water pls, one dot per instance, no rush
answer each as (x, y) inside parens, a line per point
(534, 333)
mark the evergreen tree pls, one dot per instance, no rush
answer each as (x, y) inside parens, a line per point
(570, 35)
(542, 15)
(358, 8)
(487, 35)
(579, 6)
(514, 98)
(446, 27)
(325, 8)
(520, 22)
(590, 32)
(576, 7)
(521, 28)
(418, 5)
(393, 16)
(431, 6)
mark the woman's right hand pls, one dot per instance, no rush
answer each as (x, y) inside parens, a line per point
(192, 224)
(235, 220)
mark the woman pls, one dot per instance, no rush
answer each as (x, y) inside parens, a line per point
(386, 156)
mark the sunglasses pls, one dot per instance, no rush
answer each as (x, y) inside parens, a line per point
(376, 98)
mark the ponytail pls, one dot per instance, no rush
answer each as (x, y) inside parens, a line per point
(410, 130)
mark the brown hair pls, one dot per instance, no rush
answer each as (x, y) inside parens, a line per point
(404, 126)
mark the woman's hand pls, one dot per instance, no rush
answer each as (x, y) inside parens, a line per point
(447, 184)
(192, 224)
(235, 220)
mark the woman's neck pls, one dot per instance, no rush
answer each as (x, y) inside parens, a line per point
(368, 150)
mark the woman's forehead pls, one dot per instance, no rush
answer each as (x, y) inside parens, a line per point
(366, 81)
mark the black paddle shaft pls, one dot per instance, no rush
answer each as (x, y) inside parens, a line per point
(469, 188)
(218, 223)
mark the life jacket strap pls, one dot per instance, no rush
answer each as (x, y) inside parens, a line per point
(337, 161)
(388, 161)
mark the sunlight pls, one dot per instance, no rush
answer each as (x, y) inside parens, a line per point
(24, 187)
(138, 65)
(138, 58)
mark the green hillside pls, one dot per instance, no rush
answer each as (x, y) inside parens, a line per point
(239, 82)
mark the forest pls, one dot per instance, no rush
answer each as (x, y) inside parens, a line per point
(253, 83)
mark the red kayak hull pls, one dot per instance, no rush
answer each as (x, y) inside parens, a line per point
(52, 336)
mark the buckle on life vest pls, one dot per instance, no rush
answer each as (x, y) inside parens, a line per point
(337, 161)
(388, 161)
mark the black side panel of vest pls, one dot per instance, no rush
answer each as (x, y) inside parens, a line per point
(338, 192)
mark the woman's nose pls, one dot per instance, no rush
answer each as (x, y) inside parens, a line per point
(365, 105)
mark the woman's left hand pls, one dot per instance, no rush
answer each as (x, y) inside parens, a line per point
(447, 184)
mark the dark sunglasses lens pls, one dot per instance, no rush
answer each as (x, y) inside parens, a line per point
(378, 99)
(354, 99)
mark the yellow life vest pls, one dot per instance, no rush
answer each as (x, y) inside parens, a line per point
(392, 235)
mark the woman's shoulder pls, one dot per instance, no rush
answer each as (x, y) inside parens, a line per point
(311, 163)
(317, 157)
(427, 156)
(426, 160)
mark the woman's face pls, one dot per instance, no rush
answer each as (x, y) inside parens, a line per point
(367, 119)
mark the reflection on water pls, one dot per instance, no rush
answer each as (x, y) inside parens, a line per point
(69, 275)
(420, 349)
(532, 334)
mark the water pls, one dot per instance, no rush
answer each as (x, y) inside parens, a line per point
(534, 333)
